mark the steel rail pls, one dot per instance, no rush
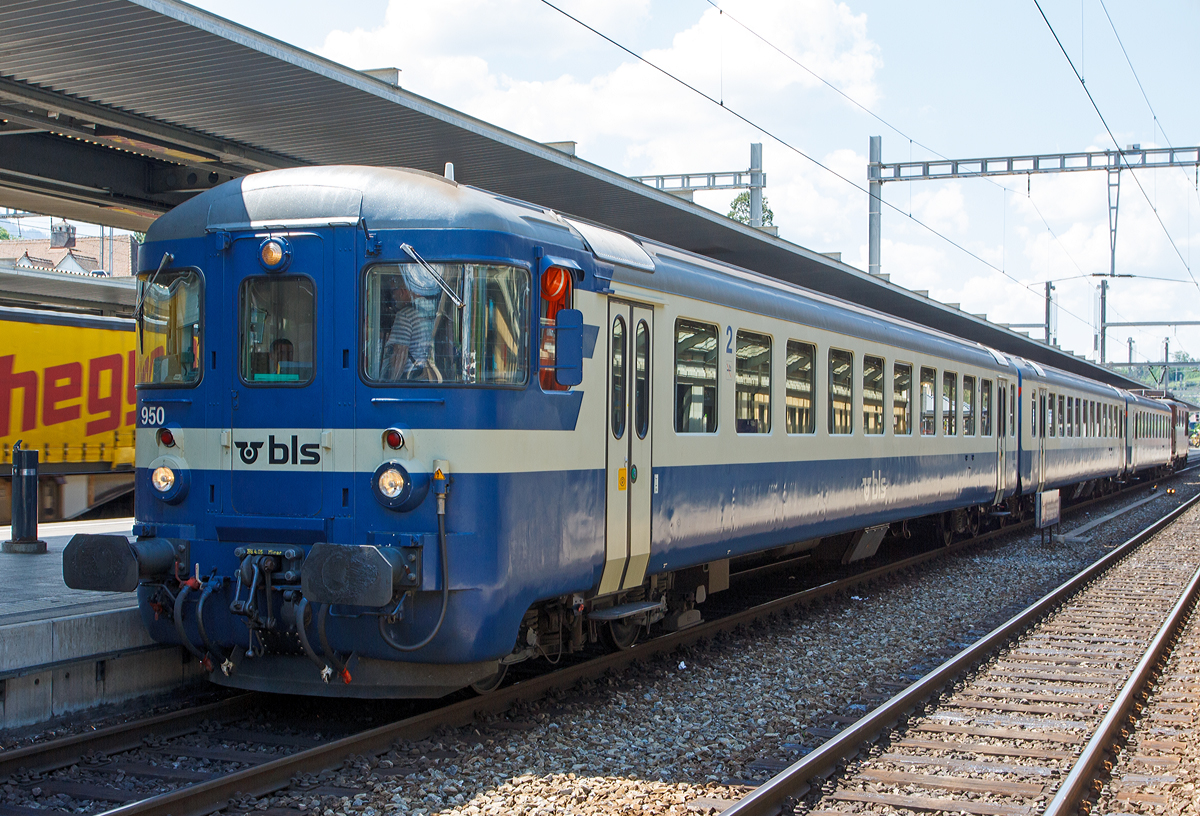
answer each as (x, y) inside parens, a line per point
(212, 795)
(59, 753)
(767, 799)
(1075, 786)
(66, 751)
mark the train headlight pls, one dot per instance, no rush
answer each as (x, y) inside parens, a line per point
(163, 479)
(398, 488)
(274, 254)
(392, 483)
(169, 478)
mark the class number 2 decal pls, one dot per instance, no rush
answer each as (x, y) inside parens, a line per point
(729, 339)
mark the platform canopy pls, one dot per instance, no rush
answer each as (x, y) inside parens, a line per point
(113, 111)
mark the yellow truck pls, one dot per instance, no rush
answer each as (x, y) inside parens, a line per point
(67, 389)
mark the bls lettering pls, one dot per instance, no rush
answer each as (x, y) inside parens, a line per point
(280, 453)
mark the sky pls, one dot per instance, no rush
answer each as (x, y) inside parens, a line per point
(950, 79)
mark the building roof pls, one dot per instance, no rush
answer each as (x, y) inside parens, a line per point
(146, 102)
(90, 253)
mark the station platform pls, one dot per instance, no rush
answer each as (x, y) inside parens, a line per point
(65, 650)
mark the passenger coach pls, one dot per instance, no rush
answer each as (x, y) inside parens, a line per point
(397, 433)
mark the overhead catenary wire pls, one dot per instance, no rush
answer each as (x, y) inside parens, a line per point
(1116, 144)
(911, 140)
(789, 146)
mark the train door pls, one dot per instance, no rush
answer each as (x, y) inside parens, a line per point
(276, 382)
(628, 434)
(1001, 438)
(1043, 421)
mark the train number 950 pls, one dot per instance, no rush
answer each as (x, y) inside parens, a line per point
(153, 415)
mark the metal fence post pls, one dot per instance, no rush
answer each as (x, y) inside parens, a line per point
(24, 503)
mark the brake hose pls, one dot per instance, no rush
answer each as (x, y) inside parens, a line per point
(301, 612)
(442, 551)
(226, 663)
(183, 593)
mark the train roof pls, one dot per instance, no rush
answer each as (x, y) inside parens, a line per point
(395, 198)
(380, 197)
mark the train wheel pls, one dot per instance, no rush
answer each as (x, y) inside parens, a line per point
(489, 684)
(945, 529)
(973, 521)
(621, 634)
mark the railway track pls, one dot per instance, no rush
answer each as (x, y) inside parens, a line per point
(200, 760)
(1048, 700)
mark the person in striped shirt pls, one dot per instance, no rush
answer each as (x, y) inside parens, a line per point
(406, 352)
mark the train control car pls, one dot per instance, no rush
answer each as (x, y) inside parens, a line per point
(397, 433)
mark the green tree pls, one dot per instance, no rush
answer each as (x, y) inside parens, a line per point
(5, 235)
(739, 210)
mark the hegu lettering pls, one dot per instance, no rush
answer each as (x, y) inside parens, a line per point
(102, 386)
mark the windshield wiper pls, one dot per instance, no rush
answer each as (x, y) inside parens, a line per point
(412, 253)
(137, 310)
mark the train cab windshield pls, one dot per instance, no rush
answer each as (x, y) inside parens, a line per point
(169, 327)
(277, 330)
(413, 332)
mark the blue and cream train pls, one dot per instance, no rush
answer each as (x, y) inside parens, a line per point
(397, 433)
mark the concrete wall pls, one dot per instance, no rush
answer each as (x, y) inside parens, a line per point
(57, 666)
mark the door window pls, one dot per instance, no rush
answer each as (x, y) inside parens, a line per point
(985, 407)
(968, 404)
(641, 379)
(617, 369)
(277, 331)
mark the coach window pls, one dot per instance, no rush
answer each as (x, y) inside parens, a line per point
(841, 392)
(949, 403)
(169, 328)
(985, 407)
(901, 399)
(753, 404)
(1070, 416)
(799, 416)
(277, 331)
(872, 395)
(968, 405)
(695, 377)
(1033, 413)
(928, 401)
(1078, 418)
(1053, 430)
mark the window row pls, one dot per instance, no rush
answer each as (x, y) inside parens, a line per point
(1151, 426)
(697, 349)
(1069, 416)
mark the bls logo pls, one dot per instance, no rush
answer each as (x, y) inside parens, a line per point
(280, 453)
(875, 486)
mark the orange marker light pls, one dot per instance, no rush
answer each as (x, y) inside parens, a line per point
(272, 254)
(554, 282)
